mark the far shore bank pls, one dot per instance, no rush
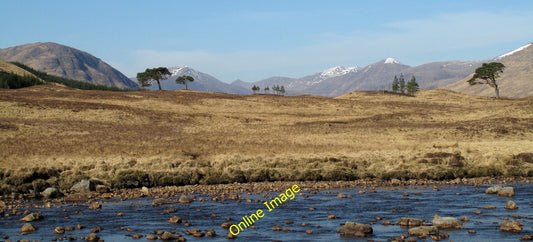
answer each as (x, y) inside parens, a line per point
(231, 191)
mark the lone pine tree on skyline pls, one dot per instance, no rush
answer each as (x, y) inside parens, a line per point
(487, 74)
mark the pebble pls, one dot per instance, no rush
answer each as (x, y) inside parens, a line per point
(341, 195)
(59, 230)
(226, 225)
(309, 231)
(277, 228)
(332, 216)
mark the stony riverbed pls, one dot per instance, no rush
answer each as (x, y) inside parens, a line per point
(314, 215)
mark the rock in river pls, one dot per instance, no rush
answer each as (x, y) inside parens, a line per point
(92, 237)
(31, 217)
(506, 192)
(447, 222)
(511, 226)
(27, 228)
(185, 199)
(162, 201)
(350, 229)
(409, 222)
(511, 205)
(423, 230)
(494, 189)
(51, 192)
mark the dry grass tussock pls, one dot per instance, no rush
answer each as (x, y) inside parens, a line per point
(58, 136)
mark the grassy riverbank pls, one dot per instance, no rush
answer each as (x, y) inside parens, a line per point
(56, 136)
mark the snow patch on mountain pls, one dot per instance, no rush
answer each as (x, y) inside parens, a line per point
(178, 70)
(512, 52)
(391, 61)
(337, 71)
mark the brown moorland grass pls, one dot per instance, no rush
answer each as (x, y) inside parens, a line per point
(53, 135)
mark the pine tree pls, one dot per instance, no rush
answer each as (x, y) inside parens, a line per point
(282, 90)
(395, 84)
(412, 86)
(255, 89)
(401, 82)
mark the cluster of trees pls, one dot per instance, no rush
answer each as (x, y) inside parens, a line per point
(278, 90)
(14, 81)
(399, 85)
(146, 78)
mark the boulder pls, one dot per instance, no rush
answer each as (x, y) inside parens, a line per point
(168, 236)
(506, 192)
(511, 226)
(409, 222)
(31, 217)
(350, 229)
(447, 222)
(423, 230)
(27, 228)
(51, 192)
(84, 186)
(185, 199)
(493, 189)
(511, 205)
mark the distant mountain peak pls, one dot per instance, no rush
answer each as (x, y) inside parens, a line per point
(338, 71)
(391, 60)
(512, 52)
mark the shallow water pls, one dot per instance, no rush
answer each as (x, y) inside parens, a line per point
(143, 218)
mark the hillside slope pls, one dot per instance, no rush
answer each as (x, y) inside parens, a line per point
(516, 80)
(67, 62)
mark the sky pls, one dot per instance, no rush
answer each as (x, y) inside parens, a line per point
(253, 40)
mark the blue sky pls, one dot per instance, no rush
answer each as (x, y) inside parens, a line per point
(252, 40)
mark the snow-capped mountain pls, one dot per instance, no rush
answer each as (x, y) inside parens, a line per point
(391, 60)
